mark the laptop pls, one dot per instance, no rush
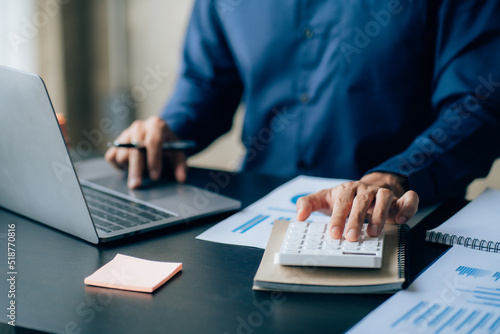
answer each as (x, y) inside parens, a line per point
(38, 179)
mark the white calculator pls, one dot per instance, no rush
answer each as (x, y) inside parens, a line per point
(309, 244)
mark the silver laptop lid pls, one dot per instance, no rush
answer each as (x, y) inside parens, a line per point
(37, 178)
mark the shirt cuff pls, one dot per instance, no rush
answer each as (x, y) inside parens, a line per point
(421, 180)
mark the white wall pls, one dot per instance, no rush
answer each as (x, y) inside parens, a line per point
(18, 35)
(30, 41)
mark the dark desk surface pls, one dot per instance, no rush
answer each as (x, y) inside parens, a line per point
(212, 294)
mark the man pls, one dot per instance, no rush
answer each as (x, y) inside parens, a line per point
(398, 94)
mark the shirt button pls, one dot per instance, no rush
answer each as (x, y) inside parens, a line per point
(304, 98)
(308, 33)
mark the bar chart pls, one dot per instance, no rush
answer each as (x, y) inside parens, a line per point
(252, 225)
(428, 317)
(479, 311)
(459, 293)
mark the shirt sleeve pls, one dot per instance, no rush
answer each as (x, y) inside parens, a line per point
(464, 140)
(209, 88)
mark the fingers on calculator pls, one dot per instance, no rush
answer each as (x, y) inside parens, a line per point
(309, 244)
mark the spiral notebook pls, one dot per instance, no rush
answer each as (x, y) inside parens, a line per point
(388, 279)
(476, 226)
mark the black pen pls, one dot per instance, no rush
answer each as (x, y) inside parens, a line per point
(168, 145)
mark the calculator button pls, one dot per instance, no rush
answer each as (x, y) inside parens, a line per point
(298, 231)
(309, 252)
(294, 246)
(314, 235)
(312, 246)
(309, 244)
(371, 243)
(331, 241)
(290, 240)
(313, 241)
(350, 244)
(317, 228)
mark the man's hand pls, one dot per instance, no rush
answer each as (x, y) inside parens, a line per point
(377, 197)
(153, 132)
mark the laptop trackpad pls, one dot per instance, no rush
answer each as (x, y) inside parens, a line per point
(182, 199)
(149, 192)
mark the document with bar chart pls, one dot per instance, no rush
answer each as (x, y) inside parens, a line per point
(252, 225)
(459, 293)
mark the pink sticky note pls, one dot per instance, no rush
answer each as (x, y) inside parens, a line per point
(131, 273)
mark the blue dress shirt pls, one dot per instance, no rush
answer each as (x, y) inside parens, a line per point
(341, 88)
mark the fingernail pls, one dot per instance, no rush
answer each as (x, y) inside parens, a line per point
(134, 182)
(373, 230)
(401, 220)
(336, 232)
(299, 213)
(352, 235)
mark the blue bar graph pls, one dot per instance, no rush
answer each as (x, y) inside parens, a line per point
(424, 316)
(481, 322)
(251, 223)
(483, 295)
(489, 298)
(452, 320)
(437, 318)
(440, 316)
(483, 291)
(409, 314)
(468, 320)
(469, 303)
(495, 325)
(474, 272)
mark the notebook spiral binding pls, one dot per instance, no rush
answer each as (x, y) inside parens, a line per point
(453, 239)
(403, 239)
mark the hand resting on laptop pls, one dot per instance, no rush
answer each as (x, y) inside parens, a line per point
(153, 132)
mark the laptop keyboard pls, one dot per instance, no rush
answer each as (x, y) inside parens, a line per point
(112, 213)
